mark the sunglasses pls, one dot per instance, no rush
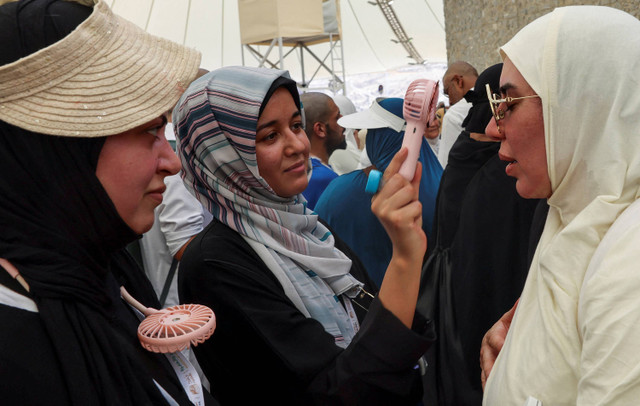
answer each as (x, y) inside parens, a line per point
(495, 101)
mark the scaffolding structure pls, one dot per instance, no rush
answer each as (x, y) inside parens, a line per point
(401, 35)
(289, 26)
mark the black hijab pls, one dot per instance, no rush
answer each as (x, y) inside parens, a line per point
(466, 157)
(484, 231)
(63, 233)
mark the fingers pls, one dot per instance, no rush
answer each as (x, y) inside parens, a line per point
(396, 163)
(492, 343)
(417, 176)
(392, 170)
(487, 357)
(394, 195)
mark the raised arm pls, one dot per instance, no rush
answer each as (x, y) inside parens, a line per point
(397, 207)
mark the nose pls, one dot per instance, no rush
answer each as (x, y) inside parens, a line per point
(296, 143)
(168, 160)
(492, 131)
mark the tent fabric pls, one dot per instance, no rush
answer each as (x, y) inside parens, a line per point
(212, 27)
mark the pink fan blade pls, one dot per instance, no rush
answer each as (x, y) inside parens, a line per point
(419, 109)
(175, 328)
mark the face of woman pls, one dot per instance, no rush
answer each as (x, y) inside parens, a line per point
(282, 146)
(132, 167)
(522, 135)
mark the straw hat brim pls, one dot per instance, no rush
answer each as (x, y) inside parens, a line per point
(106, 77)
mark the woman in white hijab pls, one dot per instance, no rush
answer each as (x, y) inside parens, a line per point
(568, 118)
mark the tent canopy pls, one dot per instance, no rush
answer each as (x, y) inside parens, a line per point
(213, 27)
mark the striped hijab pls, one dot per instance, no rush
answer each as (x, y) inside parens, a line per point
(216, 126)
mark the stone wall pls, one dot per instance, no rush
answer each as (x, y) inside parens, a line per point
(475, 29)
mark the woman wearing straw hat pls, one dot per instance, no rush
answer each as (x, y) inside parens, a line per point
(83, 159)
(295, 325)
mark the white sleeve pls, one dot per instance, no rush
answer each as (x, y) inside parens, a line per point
(451, 128)
(181, 215)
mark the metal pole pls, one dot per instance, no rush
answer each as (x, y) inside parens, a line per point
(304, 84)
(280, 49)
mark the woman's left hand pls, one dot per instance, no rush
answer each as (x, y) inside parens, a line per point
(397, 207)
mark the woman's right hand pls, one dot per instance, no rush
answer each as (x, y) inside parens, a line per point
(397, 207)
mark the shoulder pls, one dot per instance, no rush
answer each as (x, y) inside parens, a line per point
(322, 171)
(345, 183)
(30, 361)
(611, 283)
(457, 112)
(216, 242)
(609, 314)
(618, 244)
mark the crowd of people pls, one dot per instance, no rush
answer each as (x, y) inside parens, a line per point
(501, 273)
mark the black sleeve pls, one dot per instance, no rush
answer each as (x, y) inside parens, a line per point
(265, 350)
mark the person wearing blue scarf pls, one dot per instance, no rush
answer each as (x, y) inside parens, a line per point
(346, 207)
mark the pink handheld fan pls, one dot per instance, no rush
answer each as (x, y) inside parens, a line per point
(175, 328)
(419, 110)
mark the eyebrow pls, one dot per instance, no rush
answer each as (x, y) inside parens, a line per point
(507, 86)
(156, 122)
(272, 122)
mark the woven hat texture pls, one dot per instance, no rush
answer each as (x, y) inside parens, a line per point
(106, 77)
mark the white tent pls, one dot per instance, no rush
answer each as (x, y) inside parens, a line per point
(369, 45)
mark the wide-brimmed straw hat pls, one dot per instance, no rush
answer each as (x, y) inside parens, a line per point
(104, 78)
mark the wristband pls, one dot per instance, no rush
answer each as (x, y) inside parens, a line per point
(373, 182)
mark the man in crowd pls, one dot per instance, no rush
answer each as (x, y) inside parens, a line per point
(459, 78)
(325, 136)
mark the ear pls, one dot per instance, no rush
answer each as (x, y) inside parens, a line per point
(319, 129)
(459, 81)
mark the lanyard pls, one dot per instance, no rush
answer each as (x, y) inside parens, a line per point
(186, 372)
(188, 376)
(351, 313)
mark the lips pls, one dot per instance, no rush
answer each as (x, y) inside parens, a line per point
(156, 194)
(298, 166)
(506, 158)
(509, 169)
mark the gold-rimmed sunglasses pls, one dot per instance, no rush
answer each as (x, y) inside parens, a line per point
(495, 101)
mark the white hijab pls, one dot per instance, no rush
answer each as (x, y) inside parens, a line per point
(584, 63)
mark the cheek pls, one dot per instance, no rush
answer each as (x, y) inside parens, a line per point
(536, 161)
(267, 159)
(121, 186)
(125, 178)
